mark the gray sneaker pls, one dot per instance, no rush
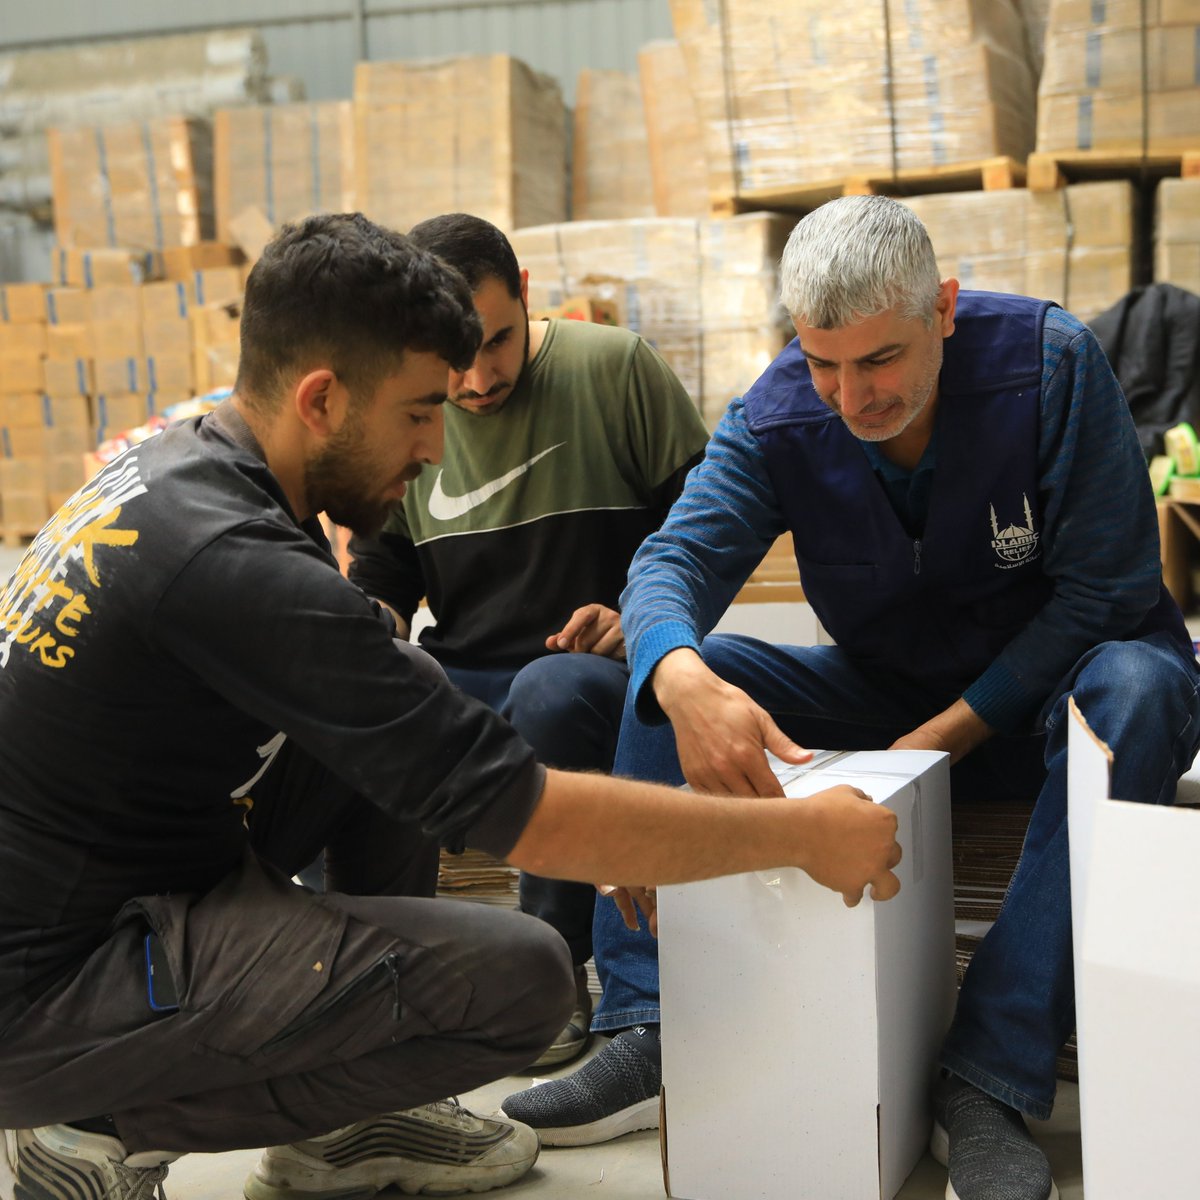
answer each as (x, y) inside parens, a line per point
(574, 1039)
(438, 1149)
(987, 1147)
(59, 1162)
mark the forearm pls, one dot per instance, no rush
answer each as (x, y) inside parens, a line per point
(597, 829)
(956, 730)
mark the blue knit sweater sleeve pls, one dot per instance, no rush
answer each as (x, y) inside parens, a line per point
(1099, 529)
(685, 575)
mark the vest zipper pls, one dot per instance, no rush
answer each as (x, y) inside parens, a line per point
(916, 556)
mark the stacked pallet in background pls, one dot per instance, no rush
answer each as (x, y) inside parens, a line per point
(678, 170)
(286, 160)
(1075, 245)
(482, 134)
(703, 293)
(611, 173)
(142, 185)
(1177, 233)
(1120, 77)
(792, 93)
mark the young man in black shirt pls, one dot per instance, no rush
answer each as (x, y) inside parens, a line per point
(193, 701)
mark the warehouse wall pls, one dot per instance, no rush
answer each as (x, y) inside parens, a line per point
(319, 40)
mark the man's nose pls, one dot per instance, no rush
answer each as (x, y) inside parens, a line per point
(479, 378)
(854, 392)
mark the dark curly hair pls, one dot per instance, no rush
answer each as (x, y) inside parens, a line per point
(338, 290)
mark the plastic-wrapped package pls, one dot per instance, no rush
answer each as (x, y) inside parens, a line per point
(673, 132)
(611, 173)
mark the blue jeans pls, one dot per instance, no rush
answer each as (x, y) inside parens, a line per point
(1017, 1003)
(568, 708)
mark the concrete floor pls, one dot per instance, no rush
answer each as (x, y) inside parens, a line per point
(626, 1169)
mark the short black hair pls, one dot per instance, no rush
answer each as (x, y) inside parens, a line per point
(341, 290)
(473, 246)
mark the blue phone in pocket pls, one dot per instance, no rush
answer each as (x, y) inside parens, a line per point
(160, 986)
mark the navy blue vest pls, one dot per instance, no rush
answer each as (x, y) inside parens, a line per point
(940, 608)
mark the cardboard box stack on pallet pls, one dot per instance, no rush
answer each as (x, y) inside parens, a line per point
(792, 93)
(286, 160)
(480, 134)
(678, 169)
(1120, 76)
(141, 185)
(610, 179)
(1177, 233)
(1075, 246)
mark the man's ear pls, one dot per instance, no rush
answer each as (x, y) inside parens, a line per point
(945, 305)
(525, 288)
(317, 401)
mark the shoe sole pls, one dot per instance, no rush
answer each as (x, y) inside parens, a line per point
(643, 1115)
(939, 1148)
(562, 1053)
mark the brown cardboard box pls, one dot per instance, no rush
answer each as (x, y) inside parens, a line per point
(89, 268)
(23, 441)
(68, 439)
(580, 308)
(285, 160)
(480, 133)
(116, 339)
(218, 285)
(68, 341)
(182, 262)
(1177, 233)
(611, 176)
(69, 376)
(24, 512)
(66, 412)
(20, 372)
(118, 375)
(21, 411)
(171, 337)
(115, 412)
(674, 137)
(22, 339)
(170, 373)
(68, 305)
(116, 303)
(64, 474)
(23, 303)
(20, 474)
(168, 300)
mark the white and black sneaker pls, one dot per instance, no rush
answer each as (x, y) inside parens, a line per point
(60, 1162)
(438, 1149)
(614, 1093)
(987, 1147)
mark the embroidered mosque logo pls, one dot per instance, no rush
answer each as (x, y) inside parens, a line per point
(1017, 543)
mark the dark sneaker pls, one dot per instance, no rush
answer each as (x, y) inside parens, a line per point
(574, 1039)
(436, 1150)
(59, 1162)
(987, 1147)
(614, 1093)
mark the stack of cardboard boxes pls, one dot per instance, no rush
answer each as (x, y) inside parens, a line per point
(1075, 246)
(611, 174)
(142, 185)
(791, 92)
(674, 137)
(482, 134)
(286, 160)
(1177, 233)
(1121, 76)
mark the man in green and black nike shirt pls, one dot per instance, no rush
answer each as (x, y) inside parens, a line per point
(566, 445)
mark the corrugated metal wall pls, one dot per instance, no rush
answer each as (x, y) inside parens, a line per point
(320, 40)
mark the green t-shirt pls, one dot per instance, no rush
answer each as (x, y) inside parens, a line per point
(538, 509)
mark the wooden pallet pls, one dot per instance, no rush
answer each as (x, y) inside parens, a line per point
(986, 174)
(1050, 170)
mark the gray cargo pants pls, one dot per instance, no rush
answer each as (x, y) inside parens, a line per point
(299, 1013)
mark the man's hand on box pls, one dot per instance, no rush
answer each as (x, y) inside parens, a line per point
(592, 629)
(629, 899)
(956, 730)
(850, 844)
(720, 733)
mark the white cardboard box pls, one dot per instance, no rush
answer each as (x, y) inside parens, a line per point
(799, 1036)
(1137, 981)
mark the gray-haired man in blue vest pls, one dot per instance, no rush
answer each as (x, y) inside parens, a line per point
(975, 527)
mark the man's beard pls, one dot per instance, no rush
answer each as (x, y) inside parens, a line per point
(333, 481)
(496, 408)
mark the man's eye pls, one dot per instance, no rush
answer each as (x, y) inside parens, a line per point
(498, 341)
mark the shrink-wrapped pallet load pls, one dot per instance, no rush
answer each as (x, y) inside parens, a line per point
(286, 160)
(1075, 246)
(479, 134)
(1121, 76)
(140, 185)
(611, 173)
(1177, 234)
(794, 92)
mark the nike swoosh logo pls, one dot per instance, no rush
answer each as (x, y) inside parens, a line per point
(446, 508)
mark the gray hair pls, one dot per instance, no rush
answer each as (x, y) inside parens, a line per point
(855, 258)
